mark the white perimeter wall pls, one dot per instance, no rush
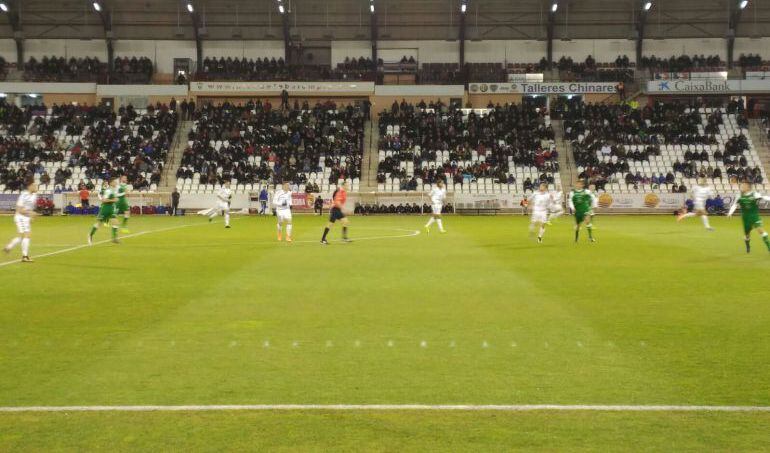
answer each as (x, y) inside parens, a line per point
(603, 50)
(673, 47)
(163, 52)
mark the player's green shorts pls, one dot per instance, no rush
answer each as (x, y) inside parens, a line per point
(122, 206)
(751, 222)
(580, 216)
(106, 212)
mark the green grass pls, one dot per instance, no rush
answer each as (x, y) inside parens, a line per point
(654, 313)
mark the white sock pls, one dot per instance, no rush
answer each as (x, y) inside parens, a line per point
(541, 232)
(288, 230)
(705, 220)
(227, 218)
(212, 213)
(430, 222)
(279, 228)
(440, 226)
(555, 214)
(689, 214)
(531, 228)
(25, 246)
(14, 242)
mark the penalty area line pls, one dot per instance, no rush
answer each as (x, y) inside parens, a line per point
(390, 407)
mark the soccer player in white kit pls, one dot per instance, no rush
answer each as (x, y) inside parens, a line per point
(282, 204)
(25, 212)
(224, 195)
(555, 209)
(540, 202)
(437, 196)
(700, 193)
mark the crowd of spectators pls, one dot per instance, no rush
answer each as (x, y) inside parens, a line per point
(90, 141)
(290, 143)
(60, 69)
(478, 146)
(401, 208)
(272, 69)
(132, 70)
(356, 69)
(605, 139)
(750, 61)
(621, 70)
(682, 63)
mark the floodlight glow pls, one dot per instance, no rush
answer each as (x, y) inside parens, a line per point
(371, 7)
(190, 7)
(97, 7)
(463, 7)
(744, 4)
(4, 7)
(647, 6)
(554, 7)
(280, 9)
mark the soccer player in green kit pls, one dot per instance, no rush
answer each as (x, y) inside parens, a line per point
(121, 206)
(748, 200)
(106, 216)
(582, 202)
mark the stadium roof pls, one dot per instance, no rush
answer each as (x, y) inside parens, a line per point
(317, 20)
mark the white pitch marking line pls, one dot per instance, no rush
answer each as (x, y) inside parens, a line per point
(392, 407)
(83, 246)
(411, 233)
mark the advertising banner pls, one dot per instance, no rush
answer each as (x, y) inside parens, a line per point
(708, 86)
(538, 88)
(359, 88)
(669, 201)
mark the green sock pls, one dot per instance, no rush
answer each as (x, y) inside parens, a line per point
(93, 231)
(766, 238)
(590, 232)
(125, 221)
(748, 245)
(114, 232)
(577, 234)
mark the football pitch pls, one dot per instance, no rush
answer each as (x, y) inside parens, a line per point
(186, 313)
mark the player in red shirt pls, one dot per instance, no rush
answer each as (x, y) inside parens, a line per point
(338, 202)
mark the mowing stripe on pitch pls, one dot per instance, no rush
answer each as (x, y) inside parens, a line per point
(391, 407)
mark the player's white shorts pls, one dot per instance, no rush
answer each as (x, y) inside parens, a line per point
(699, 205)
(436, 208)
(539, 217)
(23, 223)
(284, 215)
(223, 206)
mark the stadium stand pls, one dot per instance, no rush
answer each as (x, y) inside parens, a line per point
(683, 63)
(277, 70)
(621, 70)
(662, 148)
(132, 71)
(500, 150)
(60, 69)
(65, 146)
(400, 208)
(255, 144)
